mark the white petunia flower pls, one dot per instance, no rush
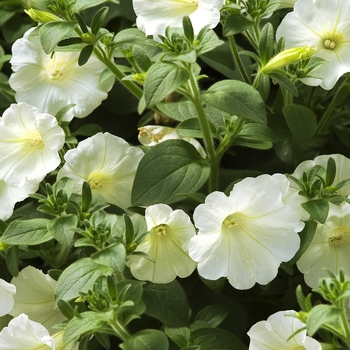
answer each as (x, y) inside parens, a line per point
(330, 247)
(167, 244)
(107, 163)
(274, 333)
(50, 82)
(24, 334)
(10, 195)
(151, 135)
(324, 25)
(35, 297)
(342, 169)
(7, 291)
(29, 144)
(245, 236)
(153, 16)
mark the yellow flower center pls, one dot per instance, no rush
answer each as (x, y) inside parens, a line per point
(96, 179)
(58, 65)
(338, 235)
(33, 139)
(160, 230)
(331, 41)
(230, 222)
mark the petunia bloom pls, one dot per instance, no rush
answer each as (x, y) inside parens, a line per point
(50, 82)
(29, 144)
(35, 297)
(22, 333)
(245, 236)
(151, 135)
(7, 291)
(154, 16)
(325, 26)
(167, 244)
(10, 195)
(329, 248)
(107, 163)
(276, 332)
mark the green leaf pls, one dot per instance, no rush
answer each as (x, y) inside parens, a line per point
(52, 32)
(112, 256)
(167, 169)
(320, 315)
(85, 54)
(301, 122)
(85, 323)
(266, 43)
(131, 36)
(236, 23)
(318, 209)
(12, 260)
(81, 23)
(330, 171)
(79, 277)
(63, 228)
(188, 28)
(162, 79)
(237, 98)
(98, 20)
(65, 309)
(283, 81)
(147, 339)
(180, 336)
(167, 303)
(213, 314)
(27, 232)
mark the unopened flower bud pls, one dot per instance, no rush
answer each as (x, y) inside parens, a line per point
(42, 16)
(287, 57)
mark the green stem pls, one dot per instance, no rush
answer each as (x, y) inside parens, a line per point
(237, 59)
(208, 140)
(120, 330)
(345, 324)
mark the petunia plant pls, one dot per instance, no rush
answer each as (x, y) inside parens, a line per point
(174, 174)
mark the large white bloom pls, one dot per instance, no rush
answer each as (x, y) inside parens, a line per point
(107, 163)
(10, 195)
(246, 235)
(330, 247)
(324, 25)
(24, 334)
(35, 297)
(274, 334)
(7, 291)
(153, 16)
(151, 135)
(167, 244)
(342, 169)
(29, 144)
(50, 82)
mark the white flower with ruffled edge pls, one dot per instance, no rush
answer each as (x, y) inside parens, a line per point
(22, 333)
(342, 170)
(50, 82)
(324, 25)
(10, 195)
(167, 243)
(7, 291)
(151, 135)
(153, 16)
(29, 144)
(276, 333)
(245, 236)
(35, 297)
(107, 163)
(329, 248)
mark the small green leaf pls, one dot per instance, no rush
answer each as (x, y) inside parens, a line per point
(237, 98)
(330, 171)
(213, 314)
(266, 43)
(320, 315)
(236, 23)
(112, 256)
(188, 28)
(81, 23)
(301, 122)
(318, 209)
(167, 169)
(63, 228)
(180, 336)
(283, 81)
(85, 54)
(12, 260)
(86, 197)
(162, 79)
(52, 32)
(98, 20)
(147, 339)
(27, 232)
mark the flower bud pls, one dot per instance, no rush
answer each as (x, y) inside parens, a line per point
(42, 16)
(288, 56)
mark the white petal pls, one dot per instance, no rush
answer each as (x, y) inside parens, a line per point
(7, 290)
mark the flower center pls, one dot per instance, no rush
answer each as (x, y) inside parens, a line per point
(34, 140)
(230, 222)
(96, 179)
(57, 66)
(330, 41)
(160, 230)
(338, 235)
